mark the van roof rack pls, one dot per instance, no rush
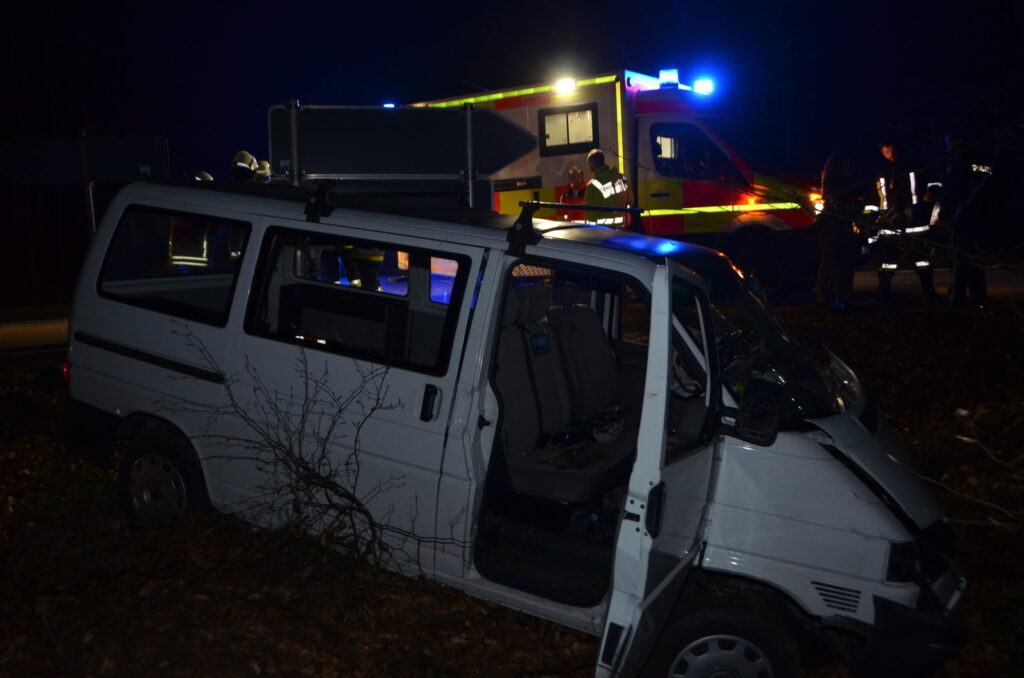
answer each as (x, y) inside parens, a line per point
(523, 233)
(442, 201)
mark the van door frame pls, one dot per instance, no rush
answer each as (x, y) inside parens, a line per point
(638, 608)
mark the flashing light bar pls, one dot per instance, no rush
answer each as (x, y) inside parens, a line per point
(389, 105)
(669, 78)
(642, 82)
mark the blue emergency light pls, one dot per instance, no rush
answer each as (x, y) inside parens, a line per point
(669, 78)
(703, 86)
(389, 105)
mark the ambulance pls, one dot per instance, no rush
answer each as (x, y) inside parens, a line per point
(689, 182)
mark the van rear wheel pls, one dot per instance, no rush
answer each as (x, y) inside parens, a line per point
(727, 643)
(159, 479)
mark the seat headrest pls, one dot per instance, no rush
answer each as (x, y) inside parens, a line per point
(568, 294)
(534, 302)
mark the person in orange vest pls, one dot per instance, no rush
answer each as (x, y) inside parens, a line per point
(575, 194)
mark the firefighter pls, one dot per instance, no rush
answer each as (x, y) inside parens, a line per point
(607, 187)
(575, 194)
(961, 215)
(897, 185)
(836, 238)
(264, 175)
(244, 166)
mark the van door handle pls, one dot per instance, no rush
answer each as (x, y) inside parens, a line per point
(660, 194)
(429, 400)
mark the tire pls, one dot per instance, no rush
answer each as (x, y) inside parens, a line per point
(159, 478)
(728, 643)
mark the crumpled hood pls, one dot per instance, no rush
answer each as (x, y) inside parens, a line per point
(883, 459)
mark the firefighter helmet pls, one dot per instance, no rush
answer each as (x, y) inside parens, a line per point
(244, 166)
(263, 171)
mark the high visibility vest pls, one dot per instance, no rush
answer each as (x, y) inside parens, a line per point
(883, 185)
(607, 187)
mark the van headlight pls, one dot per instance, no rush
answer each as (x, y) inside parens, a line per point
(904, 562)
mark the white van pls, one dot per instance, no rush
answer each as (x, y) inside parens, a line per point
(605, 429)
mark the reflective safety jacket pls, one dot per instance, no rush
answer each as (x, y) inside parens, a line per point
(897, 187)
(608, 187)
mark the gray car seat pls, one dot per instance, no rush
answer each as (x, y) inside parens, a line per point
(544, 455)
(592, 369)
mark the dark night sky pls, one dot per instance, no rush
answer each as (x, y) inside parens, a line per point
(797, 78)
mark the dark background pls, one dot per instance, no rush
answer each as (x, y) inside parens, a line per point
(793, 79)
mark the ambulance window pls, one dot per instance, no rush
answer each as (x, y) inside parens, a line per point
(684, 150)
(568, 129)
(181, 264)
(369, 300)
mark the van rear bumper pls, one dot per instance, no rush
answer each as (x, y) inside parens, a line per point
(89, 431)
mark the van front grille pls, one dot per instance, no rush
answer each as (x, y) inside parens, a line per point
(838, 597)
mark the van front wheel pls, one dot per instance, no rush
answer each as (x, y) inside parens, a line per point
(159, 481)
(725, 643)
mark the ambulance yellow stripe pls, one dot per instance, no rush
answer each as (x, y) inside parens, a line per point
(494, 96)
(618, 126)
(725, 208)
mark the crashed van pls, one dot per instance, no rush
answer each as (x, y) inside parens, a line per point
(605, 429)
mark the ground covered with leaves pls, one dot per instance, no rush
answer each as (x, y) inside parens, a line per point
(84, 592)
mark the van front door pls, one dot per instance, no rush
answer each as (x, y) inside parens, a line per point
(662, 524)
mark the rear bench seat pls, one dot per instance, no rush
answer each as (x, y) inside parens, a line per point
(539, 410)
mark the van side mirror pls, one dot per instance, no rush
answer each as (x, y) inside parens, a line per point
(757, 419)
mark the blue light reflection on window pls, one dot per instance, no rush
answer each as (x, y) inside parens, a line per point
(442, 279)
(644, 244)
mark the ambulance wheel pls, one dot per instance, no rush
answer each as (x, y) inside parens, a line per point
(728, 643)
(159, 478)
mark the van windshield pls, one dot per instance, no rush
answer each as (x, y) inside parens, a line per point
(752, 343)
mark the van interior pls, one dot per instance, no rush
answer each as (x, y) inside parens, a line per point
(569, 372)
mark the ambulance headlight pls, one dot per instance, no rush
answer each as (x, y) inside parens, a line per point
(816, 202)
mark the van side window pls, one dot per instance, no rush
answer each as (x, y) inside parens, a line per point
(367, 300)
(567, 129)
(181, 264)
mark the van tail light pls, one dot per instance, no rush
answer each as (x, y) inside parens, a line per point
(66, 374)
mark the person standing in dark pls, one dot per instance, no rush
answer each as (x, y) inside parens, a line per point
(897, 185)
(836, 240)
(961, 215)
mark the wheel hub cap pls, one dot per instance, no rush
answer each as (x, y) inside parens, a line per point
(721, 657)
(156, 489)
